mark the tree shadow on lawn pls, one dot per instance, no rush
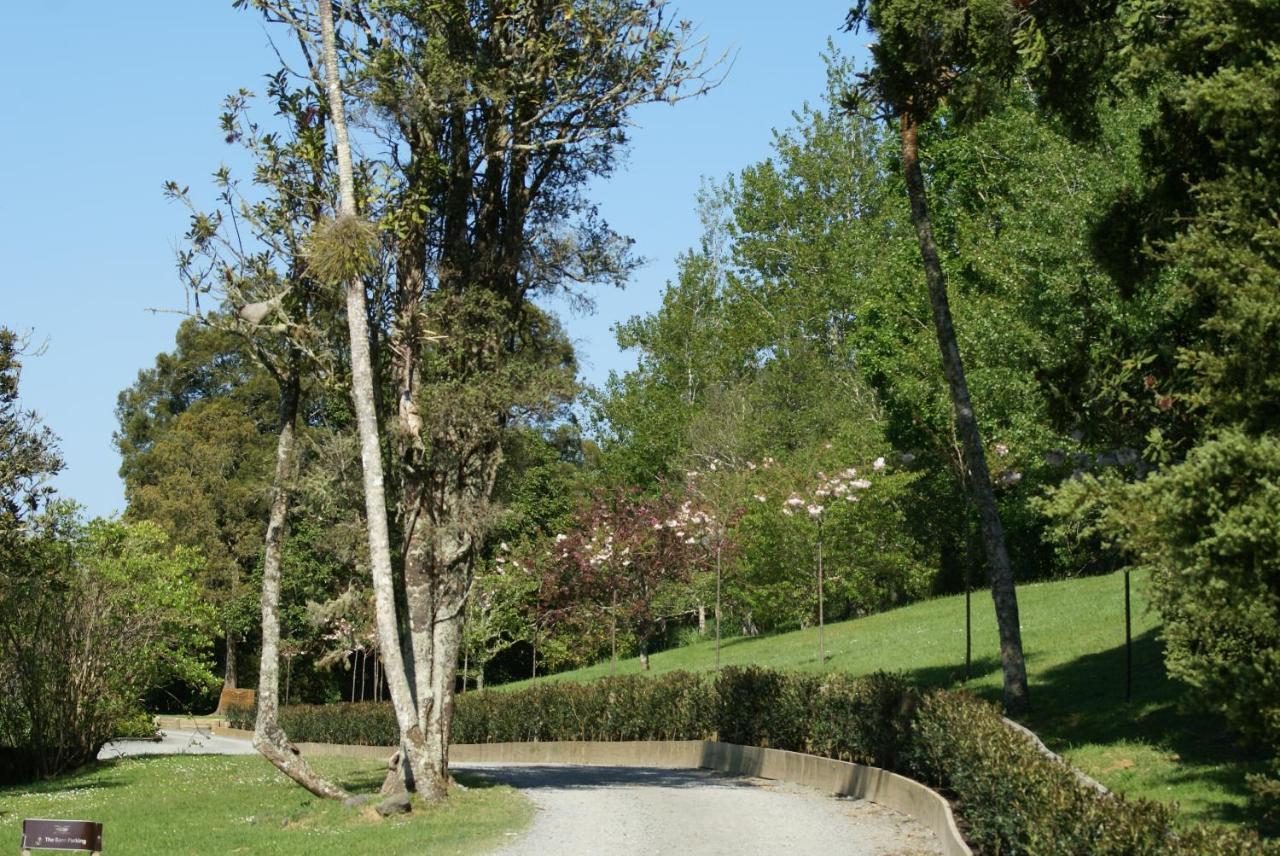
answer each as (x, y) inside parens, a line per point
(954, 675)
(72, 781)
(369, 779)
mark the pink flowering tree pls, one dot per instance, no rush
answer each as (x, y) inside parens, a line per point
(612, 565)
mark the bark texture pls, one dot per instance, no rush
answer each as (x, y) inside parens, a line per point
(230, 677)
(413, 745)
(1016, 698)
(268, 737)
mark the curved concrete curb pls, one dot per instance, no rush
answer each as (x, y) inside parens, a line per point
(846, 778)
(837, 777)
(1082, 777)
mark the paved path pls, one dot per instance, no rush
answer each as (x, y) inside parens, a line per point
(603, 811)
(637, 810)
(178, 742)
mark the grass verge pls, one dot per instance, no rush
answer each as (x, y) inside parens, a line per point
(189, 804)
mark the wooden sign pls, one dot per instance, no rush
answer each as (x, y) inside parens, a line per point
(39, 834)
(236, 698)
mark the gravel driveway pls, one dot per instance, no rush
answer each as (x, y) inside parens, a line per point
(638, 810)
(599, 811)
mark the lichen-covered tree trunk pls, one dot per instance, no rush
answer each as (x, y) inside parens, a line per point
(413, 746)
(268, 737)
(436, 695)
(1016, 697)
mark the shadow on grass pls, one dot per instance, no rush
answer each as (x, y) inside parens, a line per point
(366, 780)
(952, 675)
(474, 781)
(86, 779)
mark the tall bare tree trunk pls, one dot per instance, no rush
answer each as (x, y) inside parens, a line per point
(1016, 698)
(413, 746)
(719, 580)
(230, 676)
(268, 737)
(449, 582)
(822, 646)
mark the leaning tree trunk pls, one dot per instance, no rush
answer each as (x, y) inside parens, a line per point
(412, 744)
(268, 737)
(1016, 698)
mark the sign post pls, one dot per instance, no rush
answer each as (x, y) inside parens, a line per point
(82, 835)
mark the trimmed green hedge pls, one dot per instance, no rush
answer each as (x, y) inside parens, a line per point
(1009, 798)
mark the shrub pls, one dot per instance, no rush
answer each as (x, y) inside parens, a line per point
(678, 706)
(241, 716)
(138, 725)
(356, 724)
(1209, 530)
(92, 616)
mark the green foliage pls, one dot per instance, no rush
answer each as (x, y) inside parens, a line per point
(931, 52)
(1209, 531)
(676, 707)
(864, 719)
(1015, 800)
(139, 725)
(794, 323)
(196, 445)
(29, 455)
(97, 615)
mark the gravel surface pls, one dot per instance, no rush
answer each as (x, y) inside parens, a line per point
(601, 811)
(636, 810)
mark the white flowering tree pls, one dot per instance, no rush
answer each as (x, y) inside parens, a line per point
(815, 504)
(708, 517)
(497, 613)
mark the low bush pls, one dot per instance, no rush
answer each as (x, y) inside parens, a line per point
(679, 706)
(138, 725)
(359, 724)
(241, 717)
(1009, 798)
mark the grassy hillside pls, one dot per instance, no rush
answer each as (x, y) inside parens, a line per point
(1073, 635)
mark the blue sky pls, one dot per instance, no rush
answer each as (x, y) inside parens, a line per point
(108, 100)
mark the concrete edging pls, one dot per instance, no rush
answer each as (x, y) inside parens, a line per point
(838, 777)
(1081, 777)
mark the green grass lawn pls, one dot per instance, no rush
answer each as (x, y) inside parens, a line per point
(1073, 636)
(210, 804)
